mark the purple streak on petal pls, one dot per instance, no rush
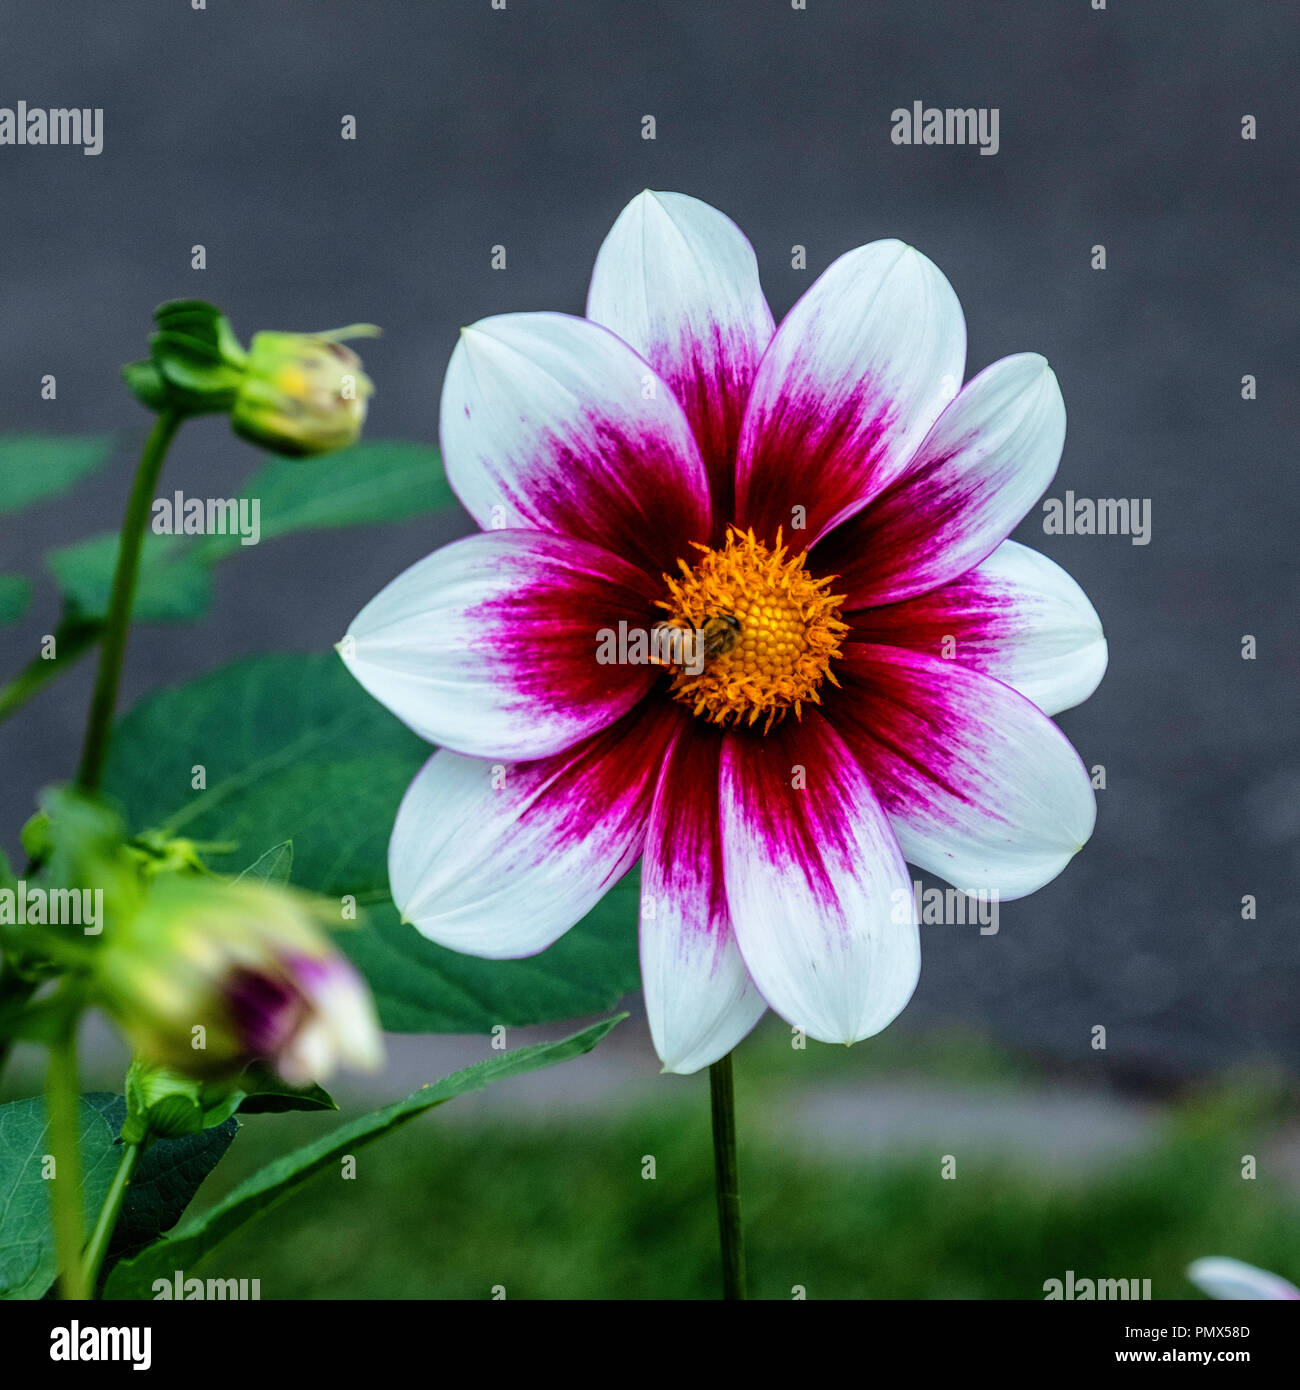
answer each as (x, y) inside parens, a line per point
(972, 620)
(265, 1009)
(897, 539)
(711, 380)
(627, 496)
(683, 857)
(596, 794)
(896, 712)
(814, 453)
(540, 639)
(801, 830)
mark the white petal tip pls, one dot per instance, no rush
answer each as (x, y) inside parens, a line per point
(1222, 1277)
(682, 1069)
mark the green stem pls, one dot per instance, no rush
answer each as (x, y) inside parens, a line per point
(727, 1174)
(72, 643)
(61, 1105)
(117, 624)
(109, 1212)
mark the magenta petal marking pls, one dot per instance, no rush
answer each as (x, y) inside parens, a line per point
(266, 1010)
(816, 882)
(905, 721)
(813, 454)
(595, 796)
(896, 543)
(540, 637)
(973, 619)
(712, 383)
(553, 423)
(793, 786)
(980, 786)
(683, 852)
(629, 494)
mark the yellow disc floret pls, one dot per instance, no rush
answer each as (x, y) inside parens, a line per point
(778, 631)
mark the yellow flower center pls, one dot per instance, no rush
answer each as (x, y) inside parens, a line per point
(768, 631)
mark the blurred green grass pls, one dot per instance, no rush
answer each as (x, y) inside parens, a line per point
(558, 1209)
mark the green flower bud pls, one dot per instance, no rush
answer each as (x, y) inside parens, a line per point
(165, 1104)
(293, 393)
(195, 361)
(303, 393)
(210, 975)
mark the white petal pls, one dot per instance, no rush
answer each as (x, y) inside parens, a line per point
(980, 786)
(1222, 1277)
(344, 1005)
(309, 1055)
(555, 424)
(983, 464)
(490, 646)
(699, 998)
(678, 280)
(817, 886)
(1017, 617)
(857, 373)
(500, 859)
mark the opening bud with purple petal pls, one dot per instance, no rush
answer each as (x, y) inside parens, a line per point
(210, 975)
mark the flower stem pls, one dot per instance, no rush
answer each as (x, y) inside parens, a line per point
(104, 700)
(727, 1176)
(62, 1102)
(74, 641)
(108, 1215)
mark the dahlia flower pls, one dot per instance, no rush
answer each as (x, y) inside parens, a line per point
(828, 512)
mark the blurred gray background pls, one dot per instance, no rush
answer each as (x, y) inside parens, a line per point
(523, 127)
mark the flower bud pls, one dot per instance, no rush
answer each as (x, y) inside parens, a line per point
(165, 1104)
(209, 976)
(302, 393)
(195, 362)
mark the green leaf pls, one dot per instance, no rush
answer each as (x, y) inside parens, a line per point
(34, 467)
(169, 1173)
(174, 585)
(384, 480)
(423, 988)
(201, 1236)
(274, 866)
(390, 480)
(265, 1094)
(27, 1261)
(166, 1179)
(293, 746)
(15, 597)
